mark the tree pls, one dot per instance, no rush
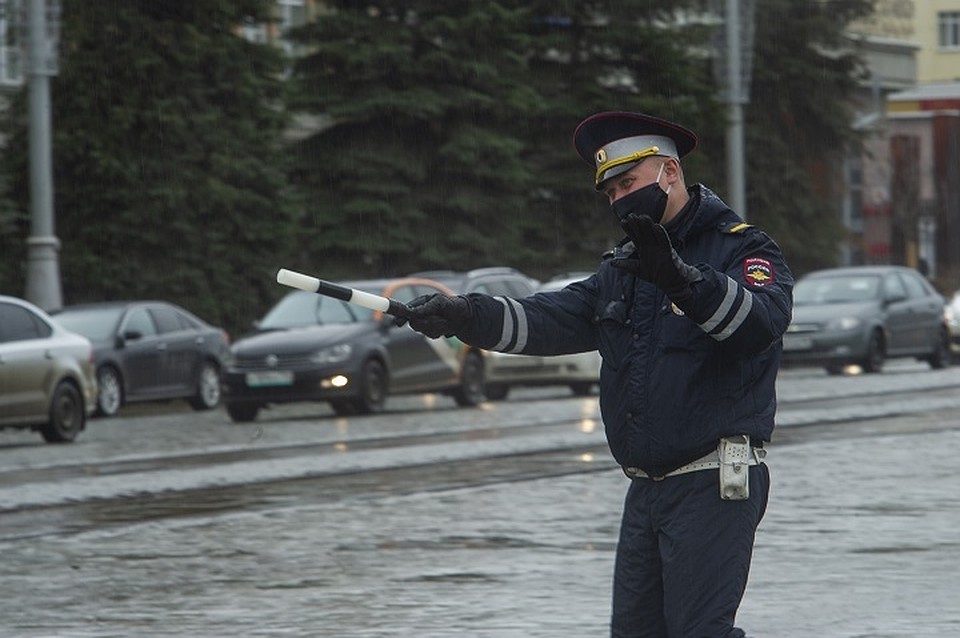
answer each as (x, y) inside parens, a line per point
(610, 56)
(169, 164)
(449, 142)
(798, 124)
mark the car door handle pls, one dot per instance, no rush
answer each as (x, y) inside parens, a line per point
(161, 346)
(47, 354)
(198, 340)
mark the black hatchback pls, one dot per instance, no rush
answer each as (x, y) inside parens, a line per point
(150, 351)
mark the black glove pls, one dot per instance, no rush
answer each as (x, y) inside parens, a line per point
(654, 258)
(435, 315)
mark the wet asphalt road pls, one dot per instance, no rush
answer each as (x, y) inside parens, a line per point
(390, 526)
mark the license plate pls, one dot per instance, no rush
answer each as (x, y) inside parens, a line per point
(797, 343)
(272, 378)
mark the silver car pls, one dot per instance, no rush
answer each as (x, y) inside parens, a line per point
(951, 314)
(47, 380)
(863, 315)
(580, 372)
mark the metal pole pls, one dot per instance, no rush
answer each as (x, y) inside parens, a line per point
(735, 163)
(43, 271)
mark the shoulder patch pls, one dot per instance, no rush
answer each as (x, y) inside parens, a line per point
(758, 271)
(731, 228)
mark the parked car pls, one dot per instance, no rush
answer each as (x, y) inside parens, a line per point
(580, 372)
(47, 380)
(496, 280)
(864, 315)
(951, 314)
(150, 351)
(502, 370)
(309, 347)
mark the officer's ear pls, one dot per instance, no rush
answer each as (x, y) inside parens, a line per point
(672, 170)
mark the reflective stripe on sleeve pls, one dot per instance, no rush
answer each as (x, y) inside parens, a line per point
(522, 331)
(738, 300)
(515, 329)
(728, 299)
(507, 334)
(738, 318)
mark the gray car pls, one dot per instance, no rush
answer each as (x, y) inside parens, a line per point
(580, 372)
(310, 347)
(150, 351)
(47, 380)
(863, 315)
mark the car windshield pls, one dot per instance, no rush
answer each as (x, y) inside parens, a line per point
(301, 309)
(97, 324)
(836, 290)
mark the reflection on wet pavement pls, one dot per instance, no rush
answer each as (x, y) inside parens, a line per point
(871, 552)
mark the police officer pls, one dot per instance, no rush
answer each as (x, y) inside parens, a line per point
(687, 313)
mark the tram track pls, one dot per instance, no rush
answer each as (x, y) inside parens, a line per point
(804, 411)
(74, 497)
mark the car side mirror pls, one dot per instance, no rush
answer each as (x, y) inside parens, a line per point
(894, 297)
(131, 335)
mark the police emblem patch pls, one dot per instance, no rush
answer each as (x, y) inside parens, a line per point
(757, 271)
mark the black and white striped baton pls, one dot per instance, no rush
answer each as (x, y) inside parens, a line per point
(350, 295)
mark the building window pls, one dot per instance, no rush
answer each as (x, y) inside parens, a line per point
(11, 71)
(293, 13)
(949, 22)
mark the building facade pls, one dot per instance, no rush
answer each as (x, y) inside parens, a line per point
(903, 203)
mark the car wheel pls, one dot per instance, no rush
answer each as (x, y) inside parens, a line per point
(471, 390)
(208, 388)
(941, 354)
(497, 391)
(836, 369)
(582, 388)
(873, 362)
(109, 391)
(373, 388)
(67, 416)
(243, 412)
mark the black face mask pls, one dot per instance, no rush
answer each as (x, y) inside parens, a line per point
(651, 200)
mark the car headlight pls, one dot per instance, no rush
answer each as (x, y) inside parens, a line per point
(844, 323)
(333, 354)
(950, 316)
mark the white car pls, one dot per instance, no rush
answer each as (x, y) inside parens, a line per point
(952, 316)
(581, 372)
(47, 381)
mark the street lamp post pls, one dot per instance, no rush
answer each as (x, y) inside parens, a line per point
(43, 247)
(733, 46)
(736, 181)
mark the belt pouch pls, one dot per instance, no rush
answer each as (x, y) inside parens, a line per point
(734, 453)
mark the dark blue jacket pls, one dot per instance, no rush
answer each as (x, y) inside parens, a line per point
(674, 380)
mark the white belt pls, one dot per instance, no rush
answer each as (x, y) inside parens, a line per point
(709, 462)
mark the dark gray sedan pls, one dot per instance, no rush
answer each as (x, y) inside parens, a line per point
(150, 351)
(863, 315)
(314, 348)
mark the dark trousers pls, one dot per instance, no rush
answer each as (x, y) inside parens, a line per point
(684, 556)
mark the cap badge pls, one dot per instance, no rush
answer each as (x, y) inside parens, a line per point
(601, 156)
